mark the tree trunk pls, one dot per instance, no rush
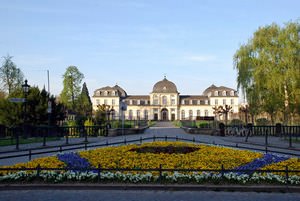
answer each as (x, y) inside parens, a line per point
(286, 106)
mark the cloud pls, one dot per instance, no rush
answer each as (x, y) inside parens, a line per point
(200, 58)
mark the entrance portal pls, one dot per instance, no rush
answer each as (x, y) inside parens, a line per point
(164, 114)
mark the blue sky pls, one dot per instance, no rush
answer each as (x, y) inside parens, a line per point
(134, 42)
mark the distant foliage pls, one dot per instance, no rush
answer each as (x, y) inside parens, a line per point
(262, 122)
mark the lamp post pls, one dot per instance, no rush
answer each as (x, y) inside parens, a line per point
(25, 88)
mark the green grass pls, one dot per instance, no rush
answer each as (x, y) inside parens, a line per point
(9, 141)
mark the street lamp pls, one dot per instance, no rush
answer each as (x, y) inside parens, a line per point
(25, 88)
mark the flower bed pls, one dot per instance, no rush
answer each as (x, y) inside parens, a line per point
(168, 155)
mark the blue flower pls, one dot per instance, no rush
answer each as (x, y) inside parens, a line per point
(258, 163)
(73, 160)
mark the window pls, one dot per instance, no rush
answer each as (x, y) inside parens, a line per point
(190, 114)
(134, 102)
(224, 101)
(97, 101)
(155, 100)
(105, 93)
(142, 102)
(138, 114)
(198, 113)
(113, 93)
(105, 101)
(113, 102)
(231, 93)
(206, 113)
(195, 102)
(232, 101)
(216, 93)
(182, 102)
(182, 115)
(216, 101)
(146, 114)
(206, 102)
(173, 100)
(172, 110)
(130, 115)
(224, 93)
(164, 100)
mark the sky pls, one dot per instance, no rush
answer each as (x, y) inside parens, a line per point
(134, 43)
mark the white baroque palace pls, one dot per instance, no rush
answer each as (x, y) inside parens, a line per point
(165, 102)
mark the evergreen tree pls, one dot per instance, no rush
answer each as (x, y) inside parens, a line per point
(84, 102)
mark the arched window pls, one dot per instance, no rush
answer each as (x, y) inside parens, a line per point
(146, 114)
(130, 115)
(190, 114)
(224, 93)
(164, 100)
(182, 115)
(105, 93)
(198, 113)
(216, 93)
(173, 100)
(231, 93)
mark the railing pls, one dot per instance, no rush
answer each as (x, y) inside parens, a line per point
(157, 171)
(62, 148)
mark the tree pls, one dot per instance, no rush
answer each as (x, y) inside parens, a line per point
(84, 102)
(71, 90)
(220, 110)
(11, 76)
(36, 113)
(268, 69)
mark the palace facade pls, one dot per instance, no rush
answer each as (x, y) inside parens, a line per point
(165, 102)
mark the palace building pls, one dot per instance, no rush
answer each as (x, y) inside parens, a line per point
(165, 102)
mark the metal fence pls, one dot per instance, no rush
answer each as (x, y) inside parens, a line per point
(85, 146)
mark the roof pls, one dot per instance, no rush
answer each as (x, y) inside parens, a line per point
(188, 97)
(138, 97)
(214, 88)
(164, 86)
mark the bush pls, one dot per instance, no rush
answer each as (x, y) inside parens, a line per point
(262, 122)
(89, 123)
(236, 122)
(203, 124)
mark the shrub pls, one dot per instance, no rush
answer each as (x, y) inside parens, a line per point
(236, 122)
(262, 122)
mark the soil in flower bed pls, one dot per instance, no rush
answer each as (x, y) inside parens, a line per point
(166, 150)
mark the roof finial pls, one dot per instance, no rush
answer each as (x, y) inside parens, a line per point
(165, 76)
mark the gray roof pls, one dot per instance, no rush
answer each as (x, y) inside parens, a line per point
(120, 92)
(189, 97)
(164, 86)
(214, 88)
(138, 97)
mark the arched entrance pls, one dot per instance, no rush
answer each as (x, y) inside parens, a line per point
(164, 114)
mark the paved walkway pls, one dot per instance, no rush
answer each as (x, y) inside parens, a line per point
(137, 195)
(161, 129)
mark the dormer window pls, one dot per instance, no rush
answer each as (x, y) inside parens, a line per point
(209, 94)
(113, 93)
(216, 93)
(105, 93)
(231, 93)
(224, 93)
